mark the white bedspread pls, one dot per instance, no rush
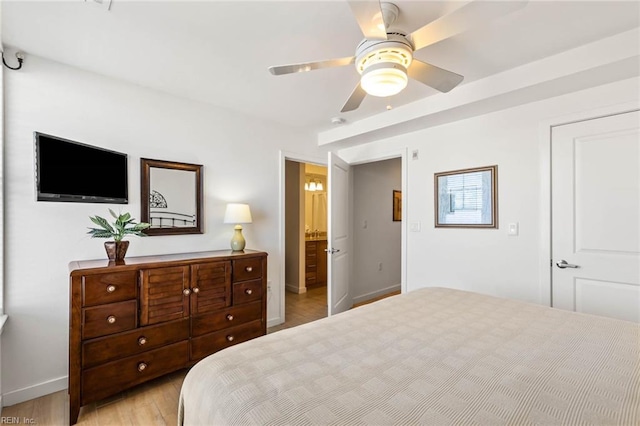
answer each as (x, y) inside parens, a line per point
(432, 356)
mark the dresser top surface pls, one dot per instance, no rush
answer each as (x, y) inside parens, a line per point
(83, 265)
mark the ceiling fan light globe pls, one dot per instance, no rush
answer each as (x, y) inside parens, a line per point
(384, 81)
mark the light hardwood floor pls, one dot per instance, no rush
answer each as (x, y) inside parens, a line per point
(155, 402)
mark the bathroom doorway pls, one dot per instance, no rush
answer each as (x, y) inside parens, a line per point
(305, 273)
(293, 244)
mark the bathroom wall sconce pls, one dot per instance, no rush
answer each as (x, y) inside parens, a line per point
(19, 56)
(313, 185)
(313, 182)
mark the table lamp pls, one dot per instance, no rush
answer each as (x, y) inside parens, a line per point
(237, 213)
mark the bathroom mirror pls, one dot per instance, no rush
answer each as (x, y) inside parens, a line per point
(171, 197)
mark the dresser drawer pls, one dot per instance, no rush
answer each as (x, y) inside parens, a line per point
(225, 318)
(129, 343)
(109, 319)
(214, 342)
(108, 379)
(247, 269)
(108, 288)
(247, 291)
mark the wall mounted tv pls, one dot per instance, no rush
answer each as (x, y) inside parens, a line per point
(75, 172)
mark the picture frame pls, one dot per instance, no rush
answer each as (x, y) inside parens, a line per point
(467, 198)
(397, 206)
(171, 197)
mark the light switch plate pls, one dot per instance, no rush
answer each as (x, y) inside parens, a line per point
(513, 229)
(414, 226)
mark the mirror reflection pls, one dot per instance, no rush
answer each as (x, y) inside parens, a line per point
(315, 196)
(170, 206)
(171, 197)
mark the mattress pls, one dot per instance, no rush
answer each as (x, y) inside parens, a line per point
(431, 356)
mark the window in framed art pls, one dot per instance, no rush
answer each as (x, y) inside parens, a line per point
(467, 198)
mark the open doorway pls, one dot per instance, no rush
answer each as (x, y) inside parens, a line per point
(377, 230)
(293, 244)
(305, 228)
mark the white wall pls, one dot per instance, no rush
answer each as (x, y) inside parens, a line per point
(241, 163)
(486, 260)
(376, 246)
(2, 318)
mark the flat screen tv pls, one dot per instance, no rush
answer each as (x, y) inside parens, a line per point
(75, 172)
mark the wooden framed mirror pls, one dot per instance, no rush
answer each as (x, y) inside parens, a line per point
(171, 197)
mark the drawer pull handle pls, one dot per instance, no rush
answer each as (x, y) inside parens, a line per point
(229, 317)
(142, 341)
(111, 288)
(142, 366)
(111, 319)
(248, 291)
(196, 290)
(230, 338)
(249, 268)
(186, 292)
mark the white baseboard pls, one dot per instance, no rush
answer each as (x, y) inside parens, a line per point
(35, 391)
(377, 293)
(295, 289)
(274, 321)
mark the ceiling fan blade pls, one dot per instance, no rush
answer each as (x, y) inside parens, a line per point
(356, 98)
(310, 66)
(470, 15)
(369, 17)
(438, 78)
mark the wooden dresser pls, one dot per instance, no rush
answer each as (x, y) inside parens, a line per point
(148, 316)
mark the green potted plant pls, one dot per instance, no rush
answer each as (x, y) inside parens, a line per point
(124, 225)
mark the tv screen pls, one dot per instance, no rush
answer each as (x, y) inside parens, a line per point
(76, 172)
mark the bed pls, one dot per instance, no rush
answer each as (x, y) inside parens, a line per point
(431, 356)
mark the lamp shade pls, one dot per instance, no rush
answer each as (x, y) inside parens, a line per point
(237, 213)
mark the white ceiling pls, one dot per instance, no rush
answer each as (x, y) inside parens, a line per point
(219, 51)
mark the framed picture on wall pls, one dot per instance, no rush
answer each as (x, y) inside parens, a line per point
(467, 198)
(397, 205)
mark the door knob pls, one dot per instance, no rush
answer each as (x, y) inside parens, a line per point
(563, 264)
(332, 250)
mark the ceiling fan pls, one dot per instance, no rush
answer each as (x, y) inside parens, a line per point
(385, 59)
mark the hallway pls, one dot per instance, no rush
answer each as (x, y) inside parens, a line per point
(303, 308)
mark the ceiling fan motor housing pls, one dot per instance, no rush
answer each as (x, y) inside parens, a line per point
(396, 49)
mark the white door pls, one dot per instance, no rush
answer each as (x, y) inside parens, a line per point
(339, 236)
(596, 216)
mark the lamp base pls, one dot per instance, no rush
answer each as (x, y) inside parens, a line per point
(237, 241)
